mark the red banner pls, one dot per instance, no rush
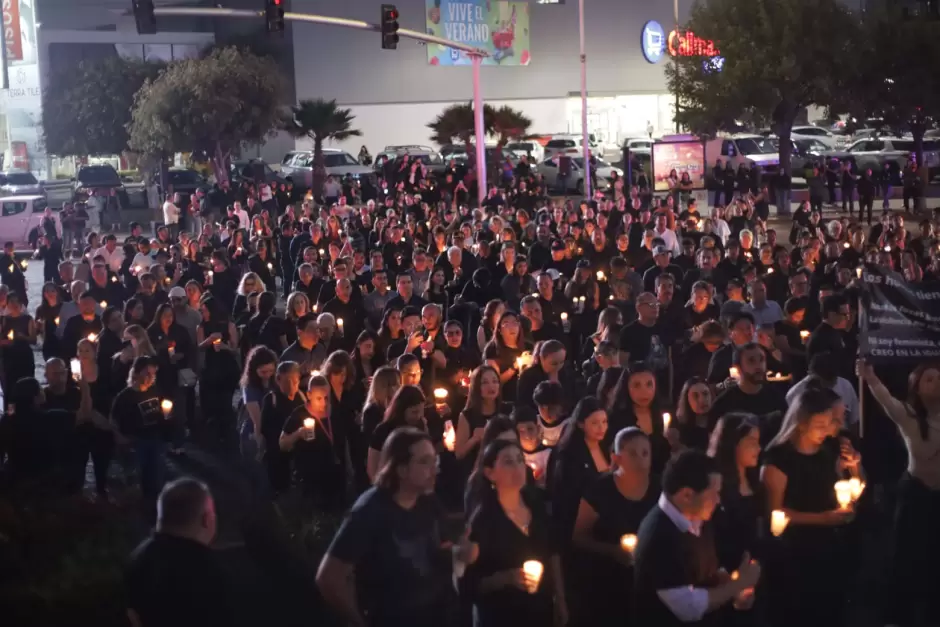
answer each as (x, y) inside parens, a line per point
(11, 30)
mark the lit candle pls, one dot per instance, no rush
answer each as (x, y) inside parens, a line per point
(76, 367)
(770, 270)
(734, 373)
(270, 266)
(667, 419)
(735, 575)
(440, 394)
(628, 542)
(309, 425)
(564, 316)
(137, 269)
(314, 373)
(260, 232)
(339, 324)
(56, 321)
(10, 335)
(778, 522)
(450, 436)
(843, 493)
(856, 487)
(92, 337)
(315, 308)
(535, 294)
(322, 252)
(600, 275)
(171, 351)
(887, 249)
(858, 272)
(114, 279)
(804, 335)
(10, 269)
(167, 407)
(533, 575)
(211, 273)
(216, 341)
(465, 381)
(104, 304)
(24, 264)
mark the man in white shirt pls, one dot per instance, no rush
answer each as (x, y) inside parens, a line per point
(171, 217)
(675, 541)
(242, 215)
(112, 253)
(668, 235)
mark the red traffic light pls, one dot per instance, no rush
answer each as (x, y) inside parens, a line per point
(393, 14)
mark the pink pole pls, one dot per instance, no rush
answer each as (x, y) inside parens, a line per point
(585, 134)
(479, 130)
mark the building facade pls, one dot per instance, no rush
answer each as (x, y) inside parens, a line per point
(394, 94)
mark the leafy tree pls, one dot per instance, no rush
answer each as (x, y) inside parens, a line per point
(213, 104)
(457, 123)
(895, 79)
(779, 57)
(86, 106)
(320, 120)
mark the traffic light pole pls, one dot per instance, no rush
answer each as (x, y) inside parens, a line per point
(476, 54)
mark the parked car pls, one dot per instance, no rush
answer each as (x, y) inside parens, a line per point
(638, 145)
(744, 148)
(20, 183)
(530, 148)
(827, 138)
(431, 159)
(98, 177)
(21, 214)
(186, 181)
(297, 166)
(253, 171)
(805, 151)
(605, 171)
(876, 151)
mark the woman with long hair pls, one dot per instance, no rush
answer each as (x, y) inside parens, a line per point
(805, 578)
(436, 292)
(217, 338)
(276, 407)
(635, 403)
(918, 506)
(250, 283)
(406, 409)
(389, 332)
(612, 506)
(255, 383)
(47, 315)
(492, 313)
(345, 403)
(134, 311)
(365, 360)
(609, 316)
(735, 446)
(484, 402)
(137, 345)
(508, 528)
(690, 428)
(503, 351)
(92, 429)
(298, 306)
(582, 455)
(384, 385)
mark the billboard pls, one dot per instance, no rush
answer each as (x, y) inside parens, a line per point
(683, 156)
(500, 28)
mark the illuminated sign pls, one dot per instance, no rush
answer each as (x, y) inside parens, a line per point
(654, 41)
(11, 30)
(690, 45)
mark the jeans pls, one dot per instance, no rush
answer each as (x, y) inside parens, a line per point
(782, 201)
(561, 184)
(887, 192)
(848, 200)
(151, 454)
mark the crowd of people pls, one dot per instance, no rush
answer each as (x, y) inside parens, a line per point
(537, 411)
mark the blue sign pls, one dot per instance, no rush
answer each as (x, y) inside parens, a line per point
(654, 41)
(713, 64)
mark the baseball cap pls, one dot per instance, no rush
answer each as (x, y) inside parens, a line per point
(661, 250)
(177, 292)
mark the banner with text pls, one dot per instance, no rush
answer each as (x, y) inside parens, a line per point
(899, 322)
(500, 28)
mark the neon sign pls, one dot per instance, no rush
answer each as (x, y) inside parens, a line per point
(690, 45)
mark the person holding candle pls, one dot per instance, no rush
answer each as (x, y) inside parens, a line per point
(916, 546)
(174, 350)
(503, 351)
(94, 435)
(537, 453)
(250, 283)
(806, 577)
(613, 505)
(111, 340)
(499, 428)
(677, 576)
(217, 338)
(46, 314)
(484, 402)
(18, 330)
(634, 403)
(81, 326)
(508, 528)
(406, 409)
(276, 407)
(387, 561)
(550, 366)
(790, 336)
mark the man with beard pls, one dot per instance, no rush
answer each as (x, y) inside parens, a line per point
(751, 393)
(343, 308)
(741, 332)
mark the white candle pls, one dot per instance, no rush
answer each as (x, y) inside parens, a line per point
(76, 367)
(309, 425)
(440, 394)
(24, 264)
(734, 372)
(533, 574)
(600, 275)
(167, 407)
(56, 321)
(339, 324)
(856, 487)
(667, 419)
(450, 436)
(804, 335)
(104, 304)
(628, 542)
(843, 493)
(858, 272)
(114, 279)
(171, 351)
(778, 522)
(564, 316)
(270, 266)
(10, 335)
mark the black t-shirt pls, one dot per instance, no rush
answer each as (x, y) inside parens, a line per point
(646, 344)
(769, 404)
(175, 581)
(401, 570)
(138, 414)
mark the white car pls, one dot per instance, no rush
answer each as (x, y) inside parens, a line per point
(833, 141)
(530, 148)
(21, 214)
(639, 145)
(605, 171)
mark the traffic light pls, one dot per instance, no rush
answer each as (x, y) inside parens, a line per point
(144, 17)
(274, 14)
(389, 27)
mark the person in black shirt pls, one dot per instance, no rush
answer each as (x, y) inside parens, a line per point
(173, 577)
(829, 336)
(138, 415)
(389, 548)
(751, 393)
(644, 340)
(677, 576)
(81, 326)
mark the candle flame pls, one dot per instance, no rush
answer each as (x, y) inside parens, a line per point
(92, 337)
(628, 542)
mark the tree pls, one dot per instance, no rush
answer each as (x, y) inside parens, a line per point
(320, 120)
(213, 104)
(895, 79)
(87, 106)
(457, 123)
(779, 57)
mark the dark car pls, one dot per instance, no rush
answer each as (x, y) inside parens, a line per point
(96, 177)
(185, 181)
(254, 170)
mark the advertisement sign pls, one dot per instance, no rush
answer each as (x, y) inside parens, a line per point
(654, 41)
(899, 322)
(679, 156)
(500, 28)
(690, 45)
(11, 30)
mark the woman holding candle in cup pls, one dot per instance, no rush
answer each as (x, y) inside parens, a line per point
(634, 403)
(805, 572)
(503, 353)
(916, 546)
(483, 403)
(609, 517)
(509, 530)
(18, 332)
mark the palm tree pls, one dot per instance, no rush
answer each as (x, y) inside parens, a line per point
(320, 120)
(456, 123)
(508, 125)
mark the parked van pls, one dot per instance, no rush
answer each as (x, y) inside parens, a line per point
(21, 214)
(744, 148)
